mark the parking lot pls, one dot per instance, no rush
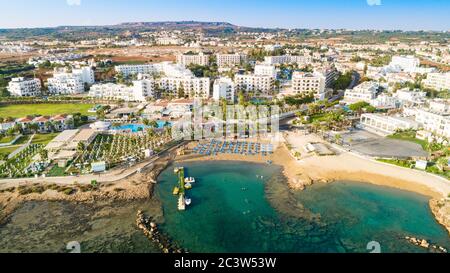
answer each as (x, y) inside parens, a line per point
(373, 145)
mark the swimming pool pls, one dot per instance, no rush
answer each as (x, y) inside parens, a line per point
(139, 127)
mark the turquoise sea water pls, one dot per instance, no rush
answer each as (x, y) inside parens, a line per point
(237, 207)
(235, 211)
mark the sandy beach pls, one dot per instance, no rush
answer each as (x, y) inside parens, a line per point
(344, 166)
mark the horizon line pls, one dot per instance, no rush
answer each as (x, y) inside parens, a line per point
(239, 26)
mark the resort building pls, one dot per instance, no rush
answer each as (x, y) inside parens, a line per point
(438, 81)
(230, 60)
(166, 69)
(74, 82)
(287, 59)
(140, 91)
(197, 59)
(304, 82)
(255, 83)
(191, 86)
(23, 87)
(367, 91)
(144, 89)
(405, 63)
(111, 91)
(386, 125)
(169, 41)
(435, 119)
(329, 73)
(265, 70)
(224, 88)
(178, 108)
(86, 73)
(385, 101)
(407, 97)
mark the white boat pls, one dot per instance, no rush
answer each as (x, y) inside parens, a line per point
(188, 201)
(189, 180)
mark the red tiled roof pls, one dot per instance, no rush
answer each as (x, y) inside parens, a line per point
(40, 119)
(25, 119)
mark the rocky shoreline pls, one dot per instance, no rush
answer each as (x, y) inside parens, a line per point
(425, 244)
(137, 187)
(151, 231)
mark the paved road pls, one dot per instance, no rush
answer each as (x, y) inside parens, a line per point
(21, 148)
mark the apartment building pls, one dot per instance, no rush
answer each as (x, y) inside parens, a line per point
(265, 70)
(405, 63)
(329, 73)
(167, 69)
(224, 88)
(197, 59)
(438, 81)
(169, 41)
(230, 60)
(111, 91)
(435, 119)
(86, 73)
(63, 82)
(23, 87)
(192, 86)
(255, 83)
(303, 82)
(287, 59)
(408, 97)
(367, 91)
(386, 125)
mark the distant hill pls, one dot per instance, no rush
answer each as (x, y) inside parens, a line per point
(179, 24)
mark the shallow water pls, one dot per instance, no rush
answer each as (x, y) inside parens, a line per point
(234, 210)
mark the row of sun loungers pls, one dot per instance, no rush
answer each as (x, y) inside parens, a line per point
(215, 147)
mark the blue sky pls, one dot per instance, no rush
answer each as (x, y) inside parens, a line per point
(352, 14)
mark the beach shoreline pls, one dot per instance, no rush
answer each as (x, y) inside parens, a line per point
(344, 166)
(299, 174)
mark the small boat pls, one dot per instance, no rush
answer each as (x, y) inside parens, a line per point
(188, 201)
(176, 191)
(188, 186)
(189, 180)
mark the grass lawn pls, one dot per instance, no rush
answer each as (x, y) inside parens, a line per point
(22, 110)
(409, 136)
(44, 138)
(9, 149)
(7, 139)
(56, 171)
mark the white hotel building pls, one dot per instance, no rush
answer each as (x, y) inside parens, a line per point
(188, 59)
(224, 88)
(23, 87)
(254, 83)
(304, 82)
(192, 86)
(64, 83)
(140, 91)
(367, 91)
(230, 60)
(286, 59)
(265, 70)
(435, 119)
(438, 81)
(386, 125)
(168, 69)
(174, 77)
